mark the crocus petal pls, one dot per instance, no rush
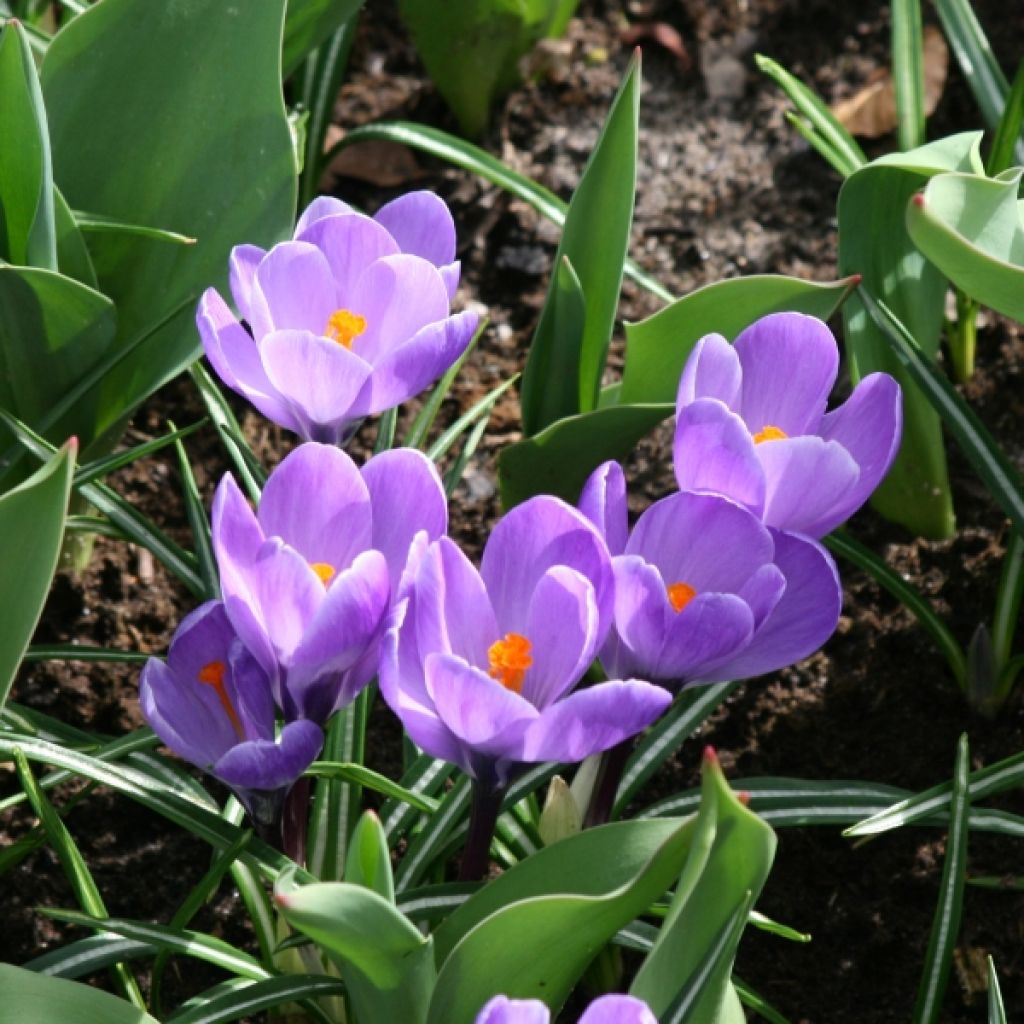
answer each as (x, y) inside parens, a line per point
(710, 628)
(242, 264)
(808, 480)
(398, 296)
(703, 540)
(563, 630)
(322, 206)
(450, 274)
(483, 714)
(762, 592)
(801, 622)
(268, 765)
(869, 426)
(592, 720)
(293, 290)
(618, 1009)
(408, 369)
(317, 502)
(253, 696)
(528, 540)
(350, 242)
(502, 1010)
(789, 362)
(406, 496)
(421, 223)
(641, 617)
(236, 359)
(603, 502)
(321, 379)
(711, 371)
(713, 451)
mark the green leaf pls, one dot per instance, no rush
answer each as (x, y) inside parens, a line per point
(308, 23)
(27, 233)
(386, 964)
(220, 173)
(971, 228)
(996, 1012)
(360, 775)
(908, 72)
(727, 869)
(873, 242)
(595, 239)
(946, 922)
(31, 528)
(657, 348)
(1006, 141)
(250, 997)
(45, 1000)
(73, 259)
(550, 914)
(559, 459)
(369, 859)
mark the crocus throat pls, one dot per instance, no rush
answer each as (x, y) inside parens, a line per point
(324, 571)
(212, 674)
(680, 595)
(344, 326)
(769, 433)
(509, 659)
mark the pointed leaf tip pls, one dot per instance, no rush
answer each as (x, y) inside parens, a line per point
(710, 755)
(744, 797)
(917, 199)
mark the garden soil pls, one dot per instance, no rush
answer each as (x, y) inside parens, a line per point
(725, 188)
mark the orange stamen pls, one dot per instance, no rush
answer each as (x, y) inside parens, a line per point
(324, 571)
(769, 433)
(509, 659)
(212, 674)
(680, 595)
(344, 326)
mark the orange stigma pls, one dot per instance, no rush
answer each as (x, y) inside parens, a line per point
(769, 433)
(344, 326)
(212, 674)
(680, 595)
(324, 571)
(509, 659)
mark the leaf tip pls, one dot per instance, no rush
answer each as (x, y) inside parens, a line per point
(917, 199)
(710, 756)
(744, 797)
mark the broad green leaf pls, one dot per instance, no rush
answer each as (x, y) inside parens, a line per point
(42, 999)
(31, 528)
(203, 149)
(874, 243)
(386, 964)
(559, 459)
(73, 259)
(308, 23)
(27, 235)
(369, 860)
(728, 866)
(551, 914)
(972, 229)
(595, 238)
(657, 348)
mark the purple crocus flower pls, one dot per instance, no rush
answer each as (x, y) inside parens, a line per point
(348, 319)
(704, 592)
(211, 704)
(751, 424)
(612, 1009)
(306, 580)
(479, 665)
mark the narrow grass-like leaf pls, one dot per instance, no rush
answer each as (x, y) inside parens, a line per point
(308, 25)
(329, 817)
(75, 869)
(946, 922)
(99, 468)
(87, 956)
(476, 412)
(453, 476)
(198, 522)
(783, 931)
(1006, 617)
(370, 779)
(996, 1011)
(425, 776)
(245, 1000)
(1006, 144)
(425, 845)
(254, 893)
(96, 223)
(433, 903)
(757, 1002)
(990, 462)
(908, 72)
(844, 545)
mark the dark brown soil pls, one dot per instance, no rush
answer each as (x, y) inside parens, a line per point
(725, 188)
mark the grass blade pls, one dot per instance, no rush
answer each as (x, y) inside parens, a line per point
(103, 467)
(244, 1000)
(482, 408)
(198, 523)
(996, 1011)
(908, 72)
(1006, 144)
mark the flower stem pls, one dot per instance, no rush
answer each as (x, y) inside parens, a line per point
(609, 775)
(964, 336)
(295, 821)
(483, 817)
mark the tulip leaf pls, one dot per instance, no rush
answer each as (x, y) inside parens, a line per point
(657, 348)
(202, 149)
(31, 528)
(73, 259)
(972, 229)
(595, 238)
(559, 459)
(308, 23)
(46, 1000)
(727, 868)
(27, 235)
(386, 964)
(874, 242)
(551, 914)
(369, 860)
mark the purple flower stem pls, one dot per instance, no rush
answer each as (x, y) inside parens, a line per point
(296, 821)
(483, 817)
(609, 775)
